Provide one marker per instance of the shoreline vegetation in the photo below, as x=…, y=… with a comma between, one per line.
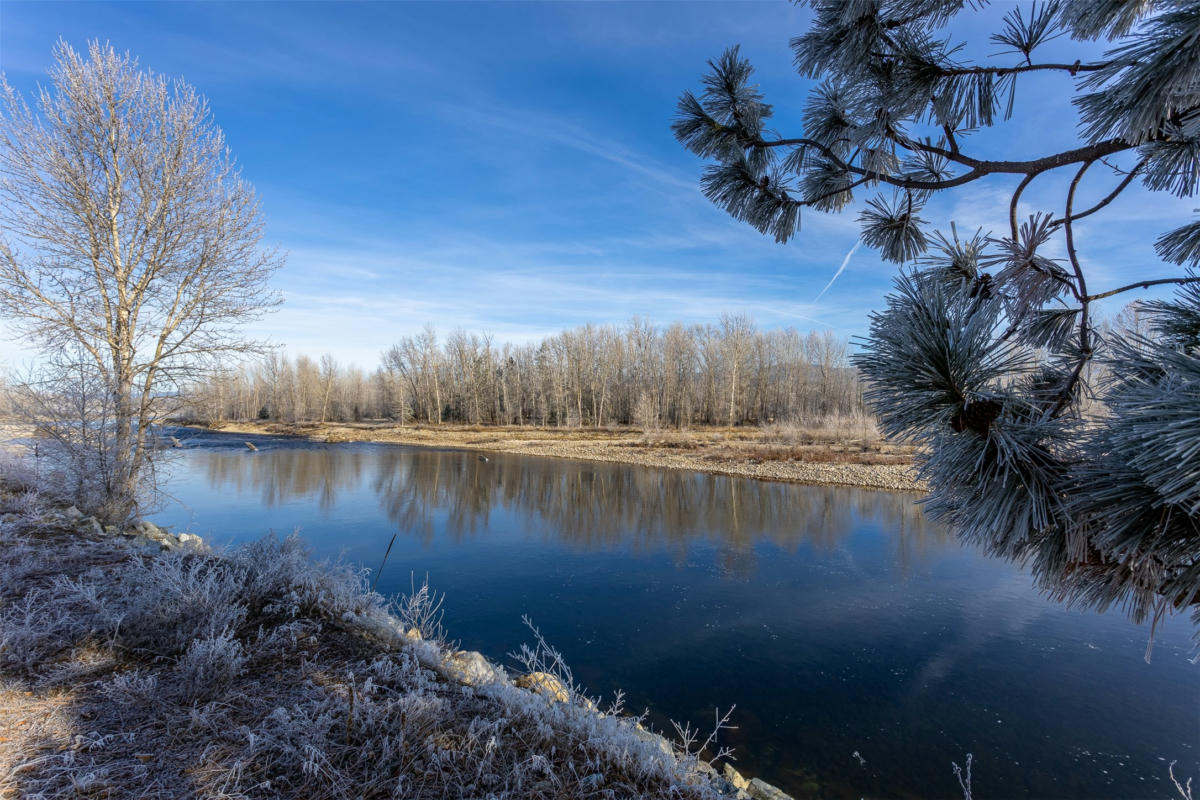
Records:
x=826, y=455
x=138, y=663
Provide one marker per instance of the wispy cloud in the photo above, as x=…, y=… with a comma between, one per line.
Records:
x=840, y=270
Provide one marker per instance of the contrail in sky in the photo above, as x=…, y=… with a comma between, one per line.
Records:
x=845, y=261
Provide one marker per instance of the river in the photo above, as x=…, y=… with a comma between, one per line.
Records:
x=838, y=621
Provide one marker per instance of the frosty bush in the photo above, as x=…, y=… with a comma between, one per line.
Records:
x=421, y=610
x=209, y=666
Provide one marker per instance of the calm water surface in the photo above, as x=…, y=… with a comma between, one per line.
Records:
x=837, y=620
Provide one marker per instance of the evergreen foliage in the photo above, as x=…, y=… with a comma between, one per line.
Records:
x=1044, y=438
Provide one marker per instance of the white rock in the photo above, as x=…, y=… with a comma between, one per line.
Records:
x=386, y=630
x=72, y=513
x=544, y=684
x=734, y=777
x=470, y=667
x=654, y=738
x=761, y=790
x=190, y=538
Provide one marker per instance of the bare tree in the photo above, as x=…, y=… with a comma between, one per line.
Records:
x=327, y=372
x=129, y=235
x=736, y=333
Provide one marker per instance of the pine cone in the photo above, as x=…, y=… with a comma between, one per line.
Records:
x=977, y=416
x=982, y=287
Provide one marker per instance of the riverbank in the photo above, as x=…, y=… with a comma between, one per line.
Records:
x=137, y=663
x=778, y=453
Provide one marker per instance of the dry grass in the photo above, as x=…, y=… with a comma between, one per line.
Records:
x=835, y=441
x=826, y=441
x=805, y=454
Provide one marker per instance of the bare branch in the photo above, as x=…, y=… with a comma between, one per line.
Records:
x=1182, y=281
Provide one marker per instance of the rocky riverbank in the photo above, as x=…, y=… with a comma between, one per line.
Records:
x=818, y=458
x=138, y=663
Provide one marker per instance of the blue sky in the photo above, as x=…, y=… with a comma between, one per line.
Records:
x=509, y=168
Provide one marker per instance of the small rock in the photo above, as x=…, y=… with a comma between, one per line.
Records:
x=654, y=738
x=190, y=538
x=388, y=631
x=470, y=667
x=761, y=790
x=143, y=542
x=72, y=513
x=545, y=684
x=147, y=533
x=734, y=777
x=724, y=788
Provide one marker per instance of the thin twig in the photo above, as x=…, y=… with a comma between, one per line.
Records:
x=1143, y=285
x=375, y=582
x=1085, y=345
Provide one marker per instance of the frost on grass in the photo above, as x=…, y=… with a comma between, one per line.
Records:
x=257, y=673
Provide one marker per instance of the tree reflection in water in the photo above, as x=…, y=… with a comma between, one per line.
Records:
x=586, y=505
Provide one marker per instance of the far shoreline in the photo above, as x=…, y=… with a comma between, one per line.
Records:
x=815, y=458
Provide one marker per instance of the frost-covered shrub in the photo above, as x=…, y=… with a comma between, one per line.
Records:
x=209, y=667
x=158, y=606
x=136, y=687
x=34, y=627
x=280, y=577
x=165, y=603
x=20, y=560
x=421, y=610
x=27, y=503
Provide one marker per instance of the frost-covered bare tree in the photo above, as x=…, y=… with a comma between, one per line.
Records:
x=128, y=236
x=982, y=352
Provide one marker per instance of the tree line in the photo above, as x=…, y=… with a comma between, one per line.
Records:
x=730, y=373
